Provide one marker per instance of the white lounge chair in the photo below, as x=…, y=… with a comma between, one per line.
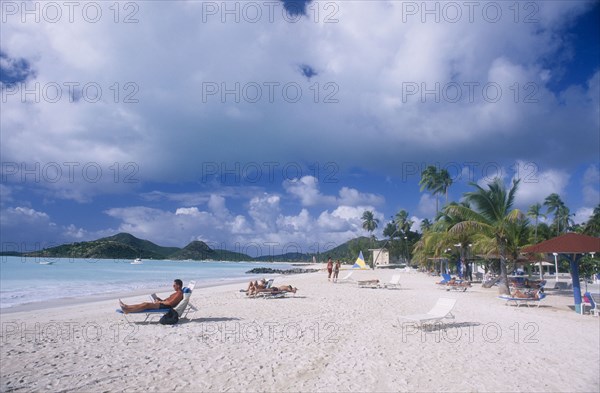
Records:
x=441, y=310
x=394, y=282
x=346, y=278
x=182, y=308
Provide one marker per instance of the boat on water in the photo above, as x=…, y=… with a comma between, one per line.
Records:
x=137, y=261
x=46, y=262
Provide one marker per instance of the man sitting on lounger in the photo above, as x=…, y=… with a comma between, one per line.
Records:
x=158, y=303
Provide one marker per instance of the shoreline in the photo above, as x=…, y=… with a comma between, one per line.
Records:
x=102, y=297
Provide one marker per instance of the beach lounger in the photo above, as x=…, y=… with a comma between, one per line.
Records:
x=459, y=285
x=182, y=308
x=268, y=285
x=374, y=283
x=269, y=294
x=394, y=282
x=441, y=310
x=346, y=278
x=594, y=299
x=445, y=279
x=517, y=301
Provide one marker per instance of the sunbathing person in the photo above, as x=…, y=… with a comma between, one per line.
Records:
x=283, y=288
x=459, y=283
x=262, y=283
x=287, y=288
x=256, y=286
x=526, y=295
x=159, y=303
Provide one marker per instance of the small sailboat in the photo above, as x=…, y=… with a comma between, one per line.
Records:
x=137, y=261
x=360, y=262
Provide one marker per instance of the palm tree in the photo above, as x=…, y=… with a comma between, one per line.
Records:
x=425, y=225
x=369, y=224
x=553, y=204
x=429, y=182
x=564, y=217
x=592, y=227
x=493, y=217
x=444, y=181
x=390, y=230
x=403, y=222
x=535, y=212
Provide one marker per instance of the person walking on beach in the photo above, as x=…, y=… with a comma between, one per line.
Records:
x=336, y=270
x=329, y=268
x=158, y=303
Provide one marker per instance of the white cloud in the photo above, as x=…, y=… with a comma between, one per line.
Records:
x=536, y=185
x=306, y=189
x=591, y=186
x=582, y=215
x=352, y=197
x=174, y=135
x=427, y=205
x=165, y=144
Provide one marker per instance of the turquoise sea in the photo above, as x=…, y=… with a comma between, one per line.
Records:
x=28, y=280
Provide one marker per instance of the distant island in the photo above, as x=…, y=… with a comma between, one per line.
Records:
x=127, y=246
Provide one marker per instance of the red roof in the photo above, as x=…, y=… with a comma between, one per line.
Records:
x=569, y=243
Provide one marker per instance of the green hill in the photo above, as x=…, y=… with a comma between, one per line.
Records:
x=347, y=252
x=288, y=257
x=126, y=246
x=145, y=246
x=200, y=251
x=95, y=249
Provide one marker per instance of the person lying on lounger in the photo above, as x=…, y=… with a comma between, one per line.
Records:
x=455, y=283
x=253, y=285
x=526, y=295
x=256, y=286
x=283, y=288
x=158, y=303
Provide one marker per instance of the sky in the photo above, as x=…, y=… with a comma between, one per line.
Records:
x=270, y=127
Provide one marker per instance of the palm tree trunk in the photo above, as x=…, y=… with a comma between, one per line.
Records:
x=503, y=289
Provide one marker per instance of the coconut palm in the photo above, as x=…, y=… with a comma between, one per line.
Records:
x=390, y=230
x=429, y=182
x=403, y=223
x=535, y=212
x=563, y=217
x=425, y=225
x=592, y=227
x=493, y=217
x=370, y=223
x=443, y=181
x=554, y=204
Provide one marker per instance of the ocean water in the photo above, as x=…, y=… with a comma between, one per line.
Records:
x=26, y=280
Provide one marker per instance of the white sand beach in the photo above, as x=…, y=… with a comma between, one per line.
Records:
x=326, y=338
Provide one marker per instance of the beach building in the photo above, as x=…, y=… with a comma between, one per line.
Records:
x=381, y=256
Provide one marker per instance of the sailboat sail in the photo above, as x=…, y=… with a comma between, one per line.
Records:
x=360, y=262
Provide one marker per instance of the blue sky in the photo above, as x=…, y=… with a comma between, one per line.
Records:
x=270, y=127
